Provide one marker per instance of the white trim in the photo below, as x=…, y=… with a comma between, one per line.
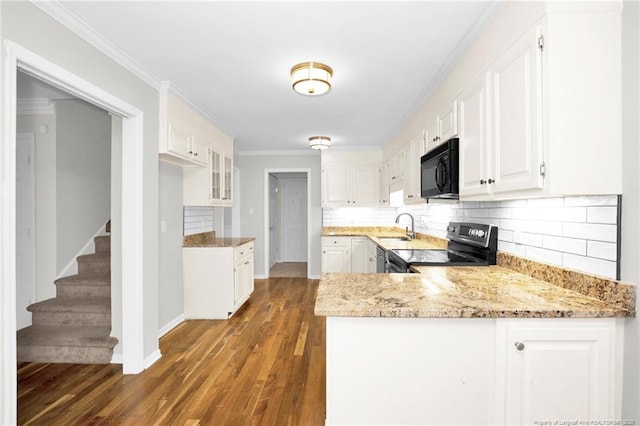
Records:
x=8, y=242
x=132, y=201
x=70, y=20
x=75, y=24
x=151, y=359
x=314, y=277
x=36, y=106
x=266, y=215
x=171, y=325
x=116, y=359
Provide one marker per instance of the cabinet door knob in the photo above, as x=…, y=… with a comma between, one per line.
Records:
x=519, y=346
x=482, y=181
x=490, y=181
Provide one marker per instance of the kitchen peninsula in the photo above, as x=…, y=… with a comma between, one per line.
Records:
x=474, y=345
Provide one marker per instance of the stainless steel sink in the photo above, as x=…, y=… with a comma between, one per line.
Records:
x=393, y=239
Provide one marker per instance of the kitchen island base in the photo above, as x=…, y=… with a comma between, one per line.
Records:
x=466, y=371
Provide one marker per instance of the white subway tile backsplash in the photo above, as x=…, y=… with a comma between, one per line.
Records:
x=576, y=232
x=568, y=245
x=544, y=255
x=600, y=250
x=590, y=265
x=602, y=215
x=197, y=219
x=594, y=200
x=513, y=203
x=591, y=231
x=516, y=249
x=545, y=202
x=527, y=239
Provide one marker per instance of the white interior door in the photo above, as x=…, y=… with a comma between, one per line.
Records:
x=25, y=228
x=273, y=220
x=294, y=222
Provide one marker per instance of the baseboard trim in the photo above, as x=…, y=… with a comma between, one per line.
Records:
x=261, y=277
x=313, y=277
x=116, y=359
x=151, y=359
x=171, y=325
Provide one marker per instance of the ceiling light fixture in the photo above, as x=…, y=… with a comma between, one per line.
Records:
x=311, y=78
x=319, y=142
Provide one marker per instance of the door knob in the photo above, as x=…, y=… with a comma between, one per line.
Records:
x=519, y=346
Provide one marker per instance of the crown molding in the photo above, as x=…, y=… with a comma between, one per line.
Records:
x=167, y=87
x=70, y=20
x=36, y=106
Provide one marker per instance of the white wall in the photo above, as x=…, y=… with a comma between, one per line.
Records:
x=171, y=308
x=630, y=265
x=28, y=26
x=83, y=176
x=45, y=173
x=252, y=210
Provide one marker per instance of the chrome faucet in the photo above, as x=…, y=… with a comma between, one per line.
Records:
x=411, y=234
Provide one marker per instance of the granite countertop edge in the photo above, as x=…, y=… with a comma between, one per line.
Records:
x=518, y=289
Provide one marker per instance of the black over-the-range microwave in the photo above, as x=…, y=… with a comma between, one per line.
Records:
x=439, y=171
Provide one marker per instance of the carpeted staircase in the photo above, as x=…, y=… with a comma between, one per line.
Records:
x=74, y=326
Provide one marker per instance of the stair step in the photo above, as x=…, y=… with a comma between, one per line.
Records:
x=102, y=243
x=83, y=286
x=80, y=345
x=72, y=311
x=93, y=264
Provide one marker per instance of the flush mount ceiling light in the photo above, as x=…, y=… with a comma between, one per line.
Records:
x=311, y=78
x=319, y=142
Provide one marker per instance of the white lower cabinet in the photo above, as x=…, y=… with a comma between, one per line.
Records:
x=346, y=254
x=217, y=280
x=473, y=371
x=336, y=254
x=557, y=370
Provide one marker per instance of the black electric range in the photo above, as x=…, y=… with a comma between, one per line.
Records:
x=468, y=244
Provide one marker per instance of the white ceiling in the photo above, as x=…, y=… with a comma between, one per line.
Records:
x=233, y=60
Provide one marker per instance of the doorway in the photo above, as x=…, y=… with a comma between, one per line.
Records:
x=287, y=218
x=130, y=211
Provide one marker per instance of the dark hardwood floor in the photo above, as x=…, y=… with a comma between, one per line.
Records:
x=264, y=366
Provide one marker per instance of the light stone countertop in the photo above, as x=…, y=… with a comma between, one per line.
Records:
x=454, y=292
x=209, y=240
x=515, y=288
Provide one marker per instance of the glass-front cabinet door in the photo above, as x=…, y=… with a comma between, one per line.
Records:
x=215, y=166
x=227, y=180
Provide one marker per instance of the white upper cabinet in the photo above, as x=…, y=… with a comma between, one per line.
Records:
x=515, y=81
x=448, y=121
x=546, y=112
x=189, y=139
x=351, y=178
x=505, y=103
x=475, y=154
x=412, y=152
x=443, y=126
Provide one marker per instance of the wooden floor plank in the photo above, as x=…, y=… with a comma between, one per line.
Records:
x=264, y=366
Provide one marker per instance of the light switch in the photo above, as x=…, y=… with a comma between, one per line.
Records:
x=250, y=211
x=163, y=226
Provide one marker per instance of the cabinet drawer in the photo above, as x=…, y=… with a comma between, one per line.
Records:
x=336, y=241
x=243, y=251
